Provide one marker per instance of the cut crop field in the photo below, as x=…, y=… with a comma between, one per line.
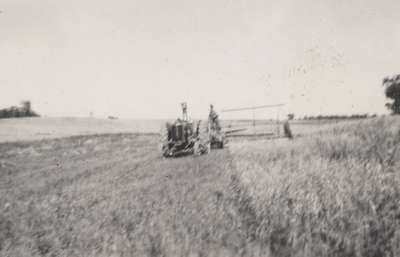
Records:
x=335, y=192
x=113, y=195
x=28, y=129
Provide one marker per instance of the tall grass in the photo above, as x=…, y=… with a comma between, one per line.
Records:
x=336, y=193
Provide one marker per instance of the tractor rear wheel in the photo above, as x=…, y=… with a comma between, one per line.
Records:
x=163, y=145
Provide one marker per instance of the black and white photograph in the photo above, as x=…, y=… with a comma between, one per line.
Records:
x=212, y=128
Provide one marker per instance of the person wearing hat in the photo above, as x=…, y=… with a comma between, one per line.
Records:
x=213, y=117
x=286, y=127
x=184, y=112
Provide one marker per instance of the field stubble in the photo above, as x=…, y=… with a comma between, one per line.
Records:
x=113, y=195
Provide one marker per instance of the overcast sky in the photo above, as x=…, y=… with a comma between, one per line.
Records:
x=140, y=59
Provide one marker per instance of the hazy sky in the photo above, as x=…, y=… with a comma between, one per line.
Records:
x=140, y=59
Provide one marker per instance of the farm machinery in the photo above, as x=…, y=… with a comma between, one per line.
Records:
x=185, y=137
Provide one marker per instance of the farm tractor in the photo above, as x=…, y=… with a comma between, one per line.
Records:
x=185, y=137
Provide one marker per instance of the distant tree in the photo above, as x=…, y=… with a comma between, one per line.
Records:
x=337, y=117
x=392, y=91
x=15, y=112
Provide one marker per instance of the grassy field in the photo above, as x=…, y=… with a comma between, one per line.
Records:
x=29, y=129
x=23, y=129
x=334, y=192
x=113, y=195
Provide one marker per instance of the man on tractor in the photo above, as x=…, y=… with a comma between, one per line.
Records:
x=213, y=119
x=217, y=138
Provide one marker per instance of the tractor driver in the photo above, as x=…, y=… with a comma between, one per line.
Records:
x=213, y=118
x=184, y=112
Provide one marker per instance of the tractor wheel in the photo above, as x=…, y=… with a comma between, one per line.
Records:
x=163, y=145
